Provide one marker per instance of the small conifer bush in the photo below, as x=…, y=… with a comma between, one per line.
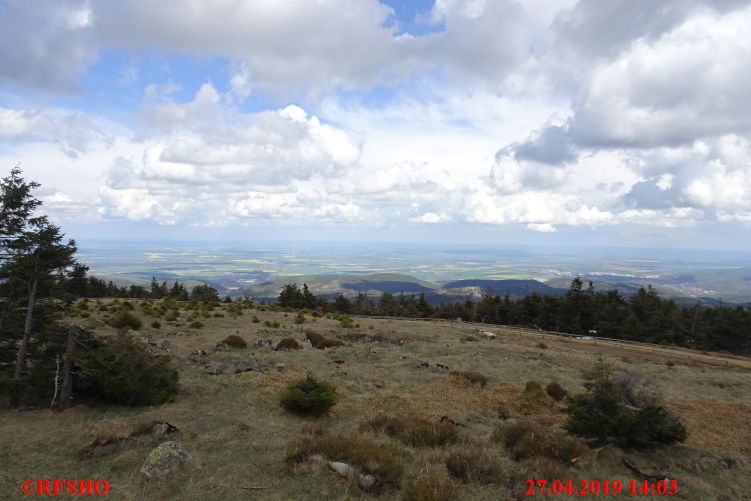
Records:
x=124, y=319
x=309, y=396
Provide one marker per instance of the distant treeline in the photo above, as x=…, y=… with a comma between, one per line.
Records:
x=78, y=284
x=581, y=310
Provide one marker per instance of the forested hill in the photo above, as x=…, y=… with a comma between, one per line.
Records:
x=644, y=316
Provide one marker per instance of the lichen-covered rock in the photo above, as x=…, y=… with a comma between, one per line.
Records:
x=167, y=457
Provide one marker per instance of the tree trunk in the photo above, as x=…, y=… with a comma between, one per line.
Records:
x=67, y=390
x=7, y=306
x=24, y=348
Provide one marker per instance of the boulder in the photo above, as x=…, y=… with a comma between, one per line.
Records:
x=239, y=366
x=342, y=469
x=222, y=346
x=366, y=482
x=213, y=368
x=165, y=458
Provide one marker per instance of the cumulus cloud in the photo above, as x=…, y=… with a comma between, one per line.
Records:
x=536, y=114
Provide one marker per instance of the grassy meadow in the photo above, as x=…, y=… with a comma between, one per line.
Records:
x=238, y=434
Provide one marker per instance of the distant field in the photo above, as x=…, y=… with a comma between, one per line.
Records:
x=235, y=268
x=237, y=433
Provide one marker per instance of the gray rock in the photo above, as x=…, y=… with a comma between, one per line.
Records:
x=239, y=366
x=489, y=335
x=280, y=367
x=366, y=482
x=442, y=368
x=213, y=368
x=220, y=346
x=261, y=343
x=166, y=457
x=342, y=469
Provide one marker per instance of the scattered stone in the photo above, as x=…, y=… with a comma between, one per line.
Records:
x=489, y=335
x=239, y=366
x=421, y=364
x=342, y=469
x=213, y=368
x=222, y=346
x=261, y=343
x=306, y=344
x=280, y=367
x=379, y=385
x=401, y=341
x=366, y=482
x=167, y=457
x=198, y=356
x=133, y=333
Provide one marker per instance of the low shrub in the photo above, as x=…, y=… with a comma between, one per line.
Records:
x=329, y=343
x=469, y=339
x=346, y=322
x=542, y=346
x=235, y=341
x=363, y=454
x=471, y=377
x=156, y=324
x=527, y=439
x=503, y=411
x=256, y=319
x=300, y=318
x=475, y=464
x=309, y=396
x=124, y=372
x=414, y=431
x=313, y=337
x=196, y=324
x=272, y=325
x=124, y=319
x=556, y=391
x=433, y=486
x=288, y=344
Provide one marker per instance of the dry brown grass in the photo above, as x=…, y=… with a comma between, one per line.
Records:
x=715, y=425
x=470, y=377
x=529, y=439
x=475, y=464
x=431, y=486
x=364, y=454
x=414, y=431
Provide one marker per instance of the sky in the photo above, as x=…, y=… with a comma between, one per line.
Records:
x=488, y=122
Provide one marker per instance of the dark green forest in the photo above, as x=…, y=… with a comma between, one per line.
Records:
x=645, y=316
